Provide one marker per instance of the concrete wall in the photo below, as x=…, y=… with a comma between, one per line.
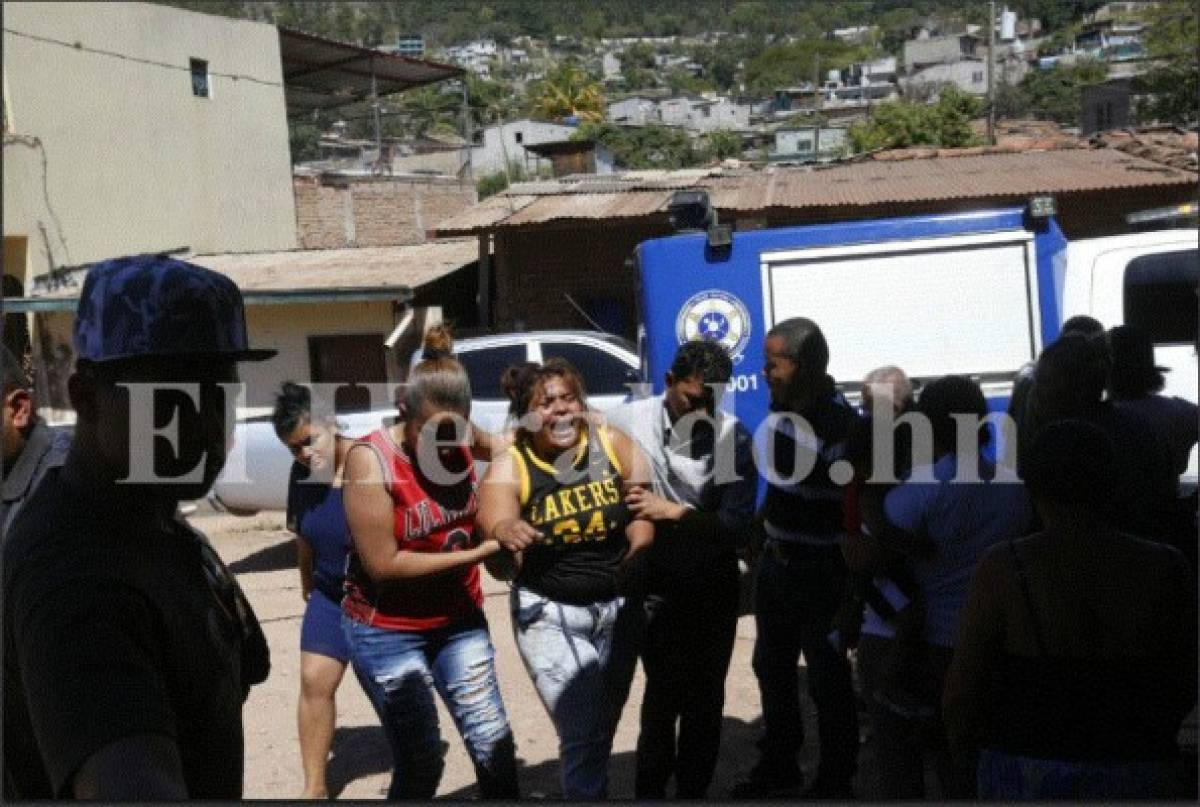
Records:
x=286, y=328
x=110, y=156
x=374, y=211
x=968, y=76
x=936, y=49
x=509, y=140
x=633, y=110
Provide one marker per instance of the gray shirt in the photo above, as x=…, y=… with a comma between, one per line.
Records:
x=45, y=448
x=708, y=475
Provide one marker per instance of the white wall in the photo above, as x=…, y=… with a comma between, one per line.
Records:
x=503, y=141
x=968, y=76
x=286, y=328
x=134, y=162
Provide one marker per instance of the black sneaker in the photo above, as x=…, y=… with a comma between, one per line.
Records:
x=761, y=784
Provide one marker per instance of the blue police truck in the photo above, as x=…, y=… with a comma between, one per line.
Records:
x=973, y=293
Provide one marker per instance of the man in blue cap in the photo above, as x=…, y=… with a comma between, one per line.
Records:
x=129, y=648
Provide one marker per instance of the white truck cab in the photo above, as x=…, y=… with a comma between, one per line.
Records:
x=1148, y=280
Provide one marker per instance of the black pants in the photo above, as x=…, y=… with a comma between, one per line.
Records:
x=685, y=653
x=797, y=591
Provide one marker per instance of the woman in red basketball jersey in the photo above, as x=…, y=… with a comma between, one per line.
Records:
x=413, y=608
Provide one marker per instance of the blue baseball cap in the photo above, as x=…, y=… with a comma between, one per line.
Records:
x=153, y=305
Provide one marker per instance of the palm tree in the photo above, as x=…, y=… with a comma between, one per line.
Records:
x=568, y=93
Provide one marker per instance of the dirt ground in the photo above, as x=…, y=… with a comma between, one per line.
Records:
x=262, y=555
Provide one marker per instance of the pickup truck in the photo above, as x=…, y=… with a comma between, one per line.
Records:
x=255, y=477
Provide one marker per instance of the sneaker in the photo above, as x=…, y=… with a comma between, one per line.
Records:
x=761, y=784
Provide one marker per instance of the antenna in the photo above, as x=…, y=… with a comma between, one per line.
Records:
x=583, y=313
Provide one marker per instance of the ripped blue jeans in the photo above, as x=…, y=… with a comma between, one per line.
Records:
x=581, y=659
x=399, y=671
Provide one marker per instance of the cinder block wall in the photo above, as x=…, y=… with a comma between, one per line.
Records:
x=334, y=212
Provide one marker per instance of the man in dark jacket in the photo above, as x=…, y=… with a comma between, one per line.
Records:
x=129, y=648
x=802, y=575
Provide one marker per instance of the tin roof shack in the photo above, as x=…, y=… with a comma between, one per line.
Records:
x=328, y=312
x=558, y=250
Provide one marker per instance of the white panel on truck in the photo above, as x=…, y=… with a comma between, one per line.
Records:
x=935, y=306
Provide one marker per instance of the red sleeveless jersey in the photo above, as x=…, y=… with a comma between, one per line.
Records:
x=427, y=518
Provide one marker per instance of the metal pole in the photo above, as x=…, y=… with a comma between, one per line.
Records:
x=467, y=133
x=991, y=73
x=375, y=107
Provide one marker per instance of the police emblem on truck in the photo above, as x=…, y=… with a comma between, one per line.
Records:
x=716, y=315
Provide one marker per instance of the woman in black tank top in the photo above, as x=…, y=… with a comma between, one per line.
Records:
x=1076, y=659
x=555, y=502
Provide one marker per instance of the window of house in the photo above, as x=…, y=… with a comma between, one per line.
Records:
x=519, y=137
x=977, y=77
x=1160, y=296
x=200, y=78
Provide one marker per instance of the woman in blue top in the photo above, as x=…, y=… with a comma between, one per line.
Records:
x=316, y=515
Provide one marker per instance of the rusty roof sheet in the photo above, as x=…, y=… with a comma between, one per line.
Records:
x=891, y=178
x=485, y=214
x=303, y=274
x=589, y=206
x=361, y=267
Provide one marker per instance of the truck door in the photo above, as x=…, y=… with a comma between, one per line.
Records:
x=963, y=305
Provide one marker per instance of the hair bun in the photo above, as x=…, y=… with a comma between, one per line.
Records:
x=438, y=342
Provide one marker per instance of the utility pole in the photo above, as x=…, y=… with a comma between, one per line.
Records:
x=991, y=73
x=375, y=108
x=467, y=133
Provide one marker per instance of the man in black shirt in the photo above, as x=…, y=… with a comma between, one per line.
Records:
x=801, y=576
x=128, y=646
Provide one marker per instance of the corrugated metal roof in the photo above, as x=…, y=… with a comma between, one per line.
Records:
x=306, y=275
x=485, y=214
x=976, y=176
x=931, y=176
x=589, y=206
x=319, y=73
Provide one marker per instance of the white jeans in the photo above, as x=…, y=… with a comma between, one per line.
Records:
x=581, y=659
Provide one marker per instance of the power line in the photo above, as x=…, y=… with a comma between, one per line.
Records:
x=79, y=46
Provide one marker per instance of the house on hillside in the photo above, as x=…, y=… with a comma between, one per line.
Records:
x=806, y=144
x=968, y=75
x=636, y=110
x=501, y=145
x=927, y=50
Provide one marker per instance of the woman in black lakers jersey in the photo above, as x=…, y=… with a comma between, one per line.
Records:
x=555, y=503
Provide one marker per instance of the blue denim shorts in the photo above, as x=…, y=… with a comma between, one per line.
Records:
x=321, y=632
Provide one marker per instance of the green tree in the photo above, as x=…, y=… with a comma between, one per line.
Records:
x=724, y=144
x=1055, y=94
x=303, y=141
x=568, y=93
x=902, y=124
x=426, y=106
x=1172, y=86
